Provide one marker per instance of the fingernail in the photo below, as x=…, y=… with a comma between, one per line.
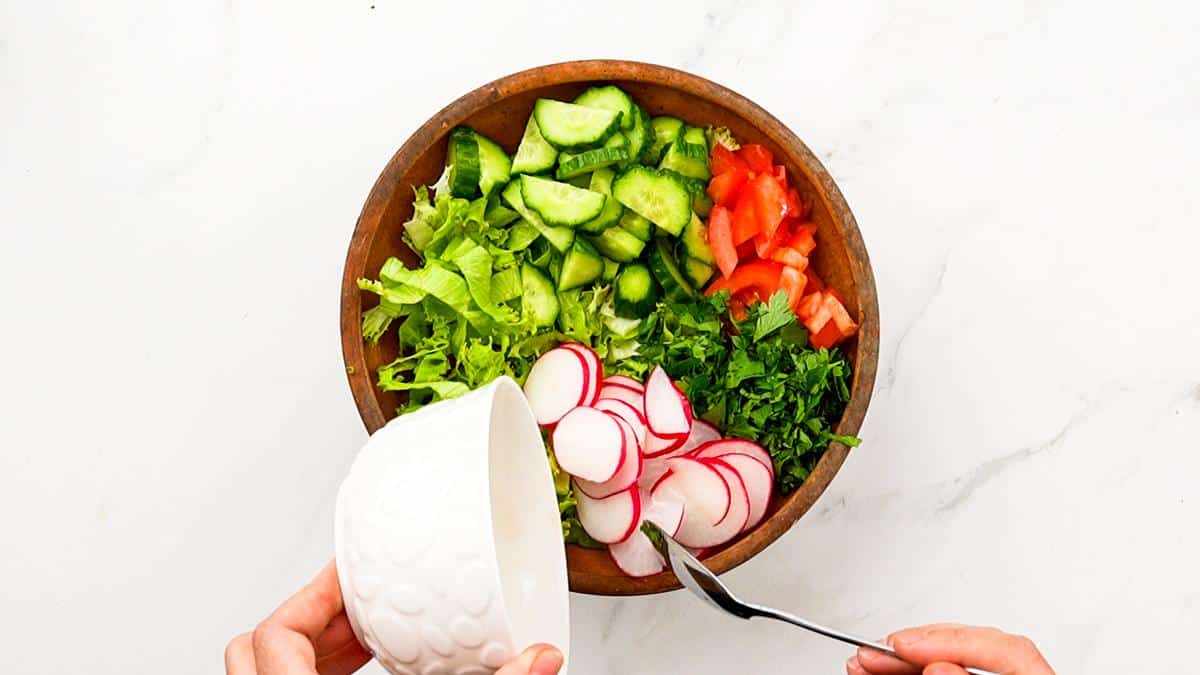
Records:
x=548, y=661
x=907, y=638
x=853, y=667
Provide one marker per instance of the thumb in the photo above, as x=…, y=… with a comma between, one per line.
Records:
x=540, y=659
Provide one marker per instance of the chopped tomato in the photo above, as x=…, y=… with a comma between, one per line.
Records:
x=770, y=202
x=759, y=276
x=723, y=188
x=827, y=337
x=745, y=250
x=809, y=305
x=792, y=258
x=720, y=240
x=765, y=246
x=780, y=173
x=802, y=239
x=795, y=205
x=836, y=296
x=837, y=310
x=792, y=281
x=814, y=281
x=724, y=160
x=757, y=157
x=745, y=218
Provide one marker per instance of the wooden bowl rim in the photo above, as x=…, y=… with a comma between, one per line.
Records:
x=866, y=352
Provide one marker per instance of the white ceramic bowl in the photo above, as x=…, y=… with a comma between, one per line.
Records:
x=448, y=542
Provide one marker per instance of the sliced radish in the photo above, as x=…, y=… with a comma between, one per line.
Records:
x=589, y=444
x=611, y=519
x=626, y=412
x=758, y=482
x=628, y=473
x=652, y=470
x=702, y=432
x=667, y=411
x=662, y=446
x=735, y=446
x=619, y=393
x=595, y=370
x=739, y=506
x=698, y=552
x=663, y=508
x=558, y=381
x=706, y=497
x=623, y=381
x=636, y=556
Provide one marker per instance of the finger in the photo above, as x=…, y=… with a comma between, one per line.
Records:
x=336, y=635
x=980, y=647
x=853, y=667
x=279, y=650
x=239, y=656
x=876, y=662
x=344, y=661
x=540, y=659
x=310, y=611
x=944, y=669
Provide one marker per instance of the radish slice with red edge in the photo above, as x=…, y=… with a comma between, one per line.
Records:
x=589, y=444
x=663, y=508
x=652, y=470
x=706, y=498
x=735, y=446
x=662, y=447
x=636, y=556
x=626, y=412
x=611, y=519
x=739, y=505
x=595, y=370
x=558, y=381
x=626, y=476
x=624, y=381
x=759, y=484
x=667, y=411
x=619, y=393
x=702, y=432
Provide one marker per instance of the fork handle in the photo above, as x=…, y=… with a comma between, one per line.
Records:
x=770, y=613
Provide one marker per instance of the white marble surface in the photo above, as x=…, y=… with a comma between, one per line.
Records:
x=178, y=182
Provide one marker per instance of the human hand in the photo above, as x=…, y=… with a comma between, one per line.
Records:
x=944, y=649
x=311, y=635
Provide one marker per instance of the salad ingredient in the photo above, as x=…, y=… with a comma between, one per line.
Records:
x=735, y=520
x=635, y=292
x=706, y=497
x=572, y=127
x=701, y=434
x=600, y=182
x=557, y=383
x=666, y=130
x=676, y=288
x=627, y=474
x=560, y=203
x=581, y=266
x=664, y=509
x=637, y=556
x=625, y=381
x=495, y=166
x=667, y=413
x=594, y=370
x=688, y=156
x=632, y=416
x=662, y=446
x=534, y=154
x=609, y=97
x=658, y=196
x=735, y=446
x=538, y=300
x=758, y=481
x=623, y=394
x=464, y=163
x=612, y=519
x=618, y=244
x=590, y=444
x=560, y=238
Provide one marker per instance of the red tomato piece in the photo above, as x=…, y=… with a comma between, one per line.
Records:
x=792, y=281
x=745, y=218
x=770, y=202
x=792, y=258
x=809, y=305
x=814, y=281
x=724, y=187
x=758, y=158
x=720, y=240
x=780, y=173
x=837, y=311
x=745, y=251
x=724, y=160
x=827, y=337
x=802, y=239
x=767, y=246
x=795, y=205
x=759, y=276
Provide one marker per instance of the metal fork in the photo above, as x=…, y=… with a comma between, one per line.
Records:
x=703, y=583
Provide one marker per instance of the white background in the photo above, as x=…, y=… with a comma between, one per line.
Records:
x=179, y=180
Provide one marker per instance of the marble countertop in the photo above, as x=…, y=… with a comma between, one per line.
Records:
x=180, y=181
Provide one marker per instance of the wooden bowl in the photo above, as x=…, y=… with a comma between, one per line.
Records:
x=499, y=110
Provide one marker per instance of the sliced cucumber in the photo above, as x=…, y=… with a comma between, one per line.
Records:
x=581, y=266
x=636, y=225
x=611, y=267
x=521, y=235
x=538, y=299
x=495, y=167
x=570, y=165
x=499, y=215
x=609, y=97
x=534, y=154
x=697, y=272
x=572, y=127
x=666, y=131
x=581, y=181
x=634, y=292
x=702, y=203
x=688, y=155
x=639, y=135
x=463, y=158
x=694, y=142
x=655, y=195
x=506, y=285
x=541, y=253
x=618, y=244
x=601, y=182
x=676, y=287
x=560, y=203
x=695, y=241
x=559, y=237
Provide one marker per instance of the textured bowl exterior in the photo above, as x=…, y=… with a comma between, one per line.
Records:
x=499, y=110
x=414, y=545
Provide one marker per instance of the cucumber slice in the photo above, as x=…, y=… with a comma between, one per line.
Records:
x=601, y=182
x=635, y=292
x=570, y=166
x=611, y=267
x=702, y=203
x=521, y=235
x=463, y=158
x=560, y=203
x=572, y=127
x=538, y=299
x=534, y=154
x=666, y=131
x=636, y=225
x=506, y=285
x=694, y=142
x=676, y=287
x=697, y=272
x=581, y=266
x=559, y=237
x=495, y=167
x=618, y=244
x=581, y=181
x=695, y=241
x=609, y=97
x=639, y=135
x=655, y=195
x=688, y=155
x=541, y=253
x=498, y=215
